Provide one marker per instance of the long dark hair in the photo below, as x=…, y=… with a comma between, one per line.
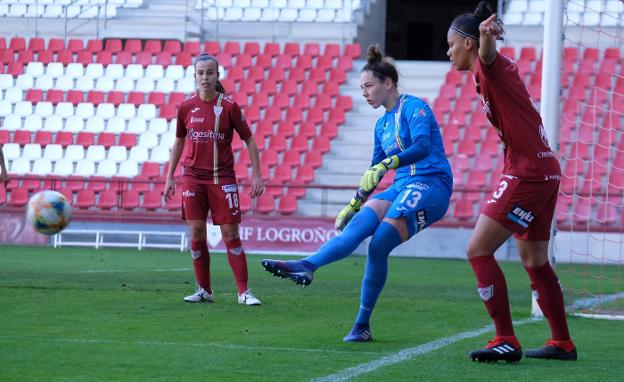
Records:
x=209, y=57
x=467, y=24
x=381, y=66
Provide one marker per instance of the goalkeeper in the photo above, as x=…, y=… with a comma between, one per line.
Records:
x=408, y=139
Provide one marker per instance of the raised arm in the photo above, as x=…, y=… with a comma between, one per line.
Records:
x=490, y=30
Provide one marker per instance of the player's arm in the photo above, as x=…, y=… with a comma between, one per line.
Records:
x=257, y=186
x=490, y=30
x=4, y=176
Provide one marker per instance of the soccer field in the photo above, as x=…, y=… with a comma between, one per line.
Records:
x=117, y=315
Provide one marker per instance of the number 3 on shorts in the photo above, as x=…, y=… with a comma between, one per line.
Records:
x=232, y=199
x=502, y=186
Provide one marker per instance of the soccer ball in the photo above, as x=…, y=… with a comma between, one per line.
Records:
x=49, y=212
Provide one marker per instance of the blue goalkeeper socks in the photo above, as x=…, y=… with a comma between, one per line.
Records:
x=385, y=239
x=359, y=228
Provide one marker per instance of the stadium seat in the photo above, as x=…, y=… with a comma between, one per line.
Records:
x=152, y=200
x=85, y=199
x=130, y=199
x=107, y=199
x=265, y=203
x=19, y=197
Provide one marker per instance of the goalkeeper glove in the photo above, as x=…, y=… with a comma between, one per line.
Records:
x=351, y=209
x=373, y=175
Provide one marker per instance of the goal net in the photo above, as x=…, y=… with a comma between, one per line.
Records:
x=589, y=244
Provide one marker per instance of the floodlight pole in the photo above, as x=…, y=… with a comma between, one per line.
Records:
x=551, y=95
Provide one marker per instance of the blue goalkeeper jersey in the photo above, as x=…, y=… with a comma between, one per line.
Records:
x=397, y=130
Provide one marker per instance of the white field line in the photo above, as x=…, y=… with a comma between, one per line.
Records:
x=184, y=344
x=409, y=353
x=135, y=270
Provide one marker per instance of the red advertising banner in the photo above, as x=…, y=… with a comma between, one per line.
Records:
x=275, y=235
x=15, y=230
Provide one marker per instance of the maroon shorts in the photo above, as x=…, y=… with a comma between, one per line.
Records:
x=524, y=207
x=220, y=199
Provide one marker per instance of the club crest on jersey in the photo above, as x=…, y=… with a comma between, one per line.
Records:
x=188, y=194
x=486, y=293
x=229, y=188
x=195, y=110
x=218, y=110
x=521, y=216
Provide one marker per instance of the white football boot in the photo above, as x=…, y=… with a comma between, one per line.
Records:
x=246, y=298
x=200, y=295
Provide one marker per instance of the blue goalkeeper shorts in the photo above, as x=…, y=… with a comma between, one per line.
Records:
x=423, y=202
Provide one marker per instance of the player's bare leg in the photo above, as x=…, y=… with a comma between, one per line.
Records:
x=546, y=289
x=487, y=237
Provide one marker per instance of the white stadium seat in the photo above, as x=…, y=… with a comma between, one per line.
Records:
x=114, y=71
x=591, y=18
x=158, y=126
x=20, y=166
x=33, y=122
x=154, y=72
x=35, y=69
x=4, y=9
x=307, y=15
x=94, y=70
x=95, y=124
x=31, y=151
x=106, y=168
x=175, y=72
x=42, y=167
x=74, y=153
x=145, y=85
x=165, y=85
x=596, y=5
x=138, y=154
x=96, y=153
x=297, y=4
x=148, y=140
x=63, y=167
x=6, y=81
x=333, y=4
x=128, y=168
x=159, y=154
x=23, y=108
x=288, y=15
x=105, y=110
x=85, y=84
x=325, y=15
x=126, y=110
x=104, y=84
x=85, y=167
x=6, y=108
x=25, y=81
x=11, y=151
x=74, y=70
x=85, y=110
x=64, y=109
x=537, y=6
x=44, y=82
x=12, y=122
x=17, y=10
x=53, y=11
x=260, y=3
x=74, y=124
x=251, y=14
x=532, y=18
x=512, y=18
x=64, y=83
x=116, y=125
x=53, y=123
x=137, y=125
x=233, y=14
x=186, y=85
x=223, y=3
x=614, y=6
x=147, y=111
x=315, y=4
x=242, y=3
x=134, y=71
x=35, y=10
x=124, y=85
x=117, y=153
x=13, y=94
x=44, y=109
x=53, y=152
x=55, y=69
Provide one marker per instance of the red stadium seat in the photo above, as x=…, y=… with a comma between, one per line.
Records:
x=284, y=62
x=95, y=97
x=17, y=44
x=265, y=203
x=5, y=137
x=128, y=140
x=3, y=196
x=137, y=98
x=463, y=209
x=232, y=48
x=292, y=49
x=329, y=130
x=64, y=138
x=305, y=173
x=107, y=199
x=34, y=95
x=106, y=139
x=286, y=129
x=331, y=50
x=292, y=158
x=95, y=45
x=84, y=57
x=299, y=143
x=113, y=45
x=265, y=61
x=308, y=129
x=19, y=197
x=287, y=205
x=45, y=56
x=115, y=97
x=183, y=58
x=176, y=98
x=171, y=46
x=508, y=51
x=168, y=111
x=85, y=199
x=212, y=47
x=314, y=159
x=192, y=47
x=155, y=46
x=251, y=48
x=104, y=57
x=152, y=200
x=54, y=96
x=272, y=49
x=353, y=50
x=312, y=49
x=156, y=98
x=43, y=138
x=164, y=58
x=283, y=174
x=142, y=58
x=528, y=53
x=269, y=157
x=85, y=139
x=124, y=58
x=73, y=44
x=303, y=102
x=345, y=64
x=132, y=45
x=130, y=199
x=281, y=101
x=278, y=143
x=74, y=96
x=56, y=44
x=25, y=56
x=337, y=76
x=21, y=137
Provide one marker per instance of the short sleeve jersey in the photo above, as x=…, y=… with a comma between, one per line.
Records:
x=209, y=128
x=507, y=104
x=398, y=129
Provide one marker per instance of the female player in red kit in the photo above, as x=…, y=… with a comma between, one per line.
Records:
x=524, y=200
x=206, y=124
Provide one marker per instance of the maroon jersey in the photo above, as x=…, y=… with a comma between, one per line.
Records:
x=509, y=107
x=209, y=128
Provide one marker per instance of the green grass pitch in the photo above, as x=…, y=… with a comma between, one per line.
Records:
x=79, y=314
